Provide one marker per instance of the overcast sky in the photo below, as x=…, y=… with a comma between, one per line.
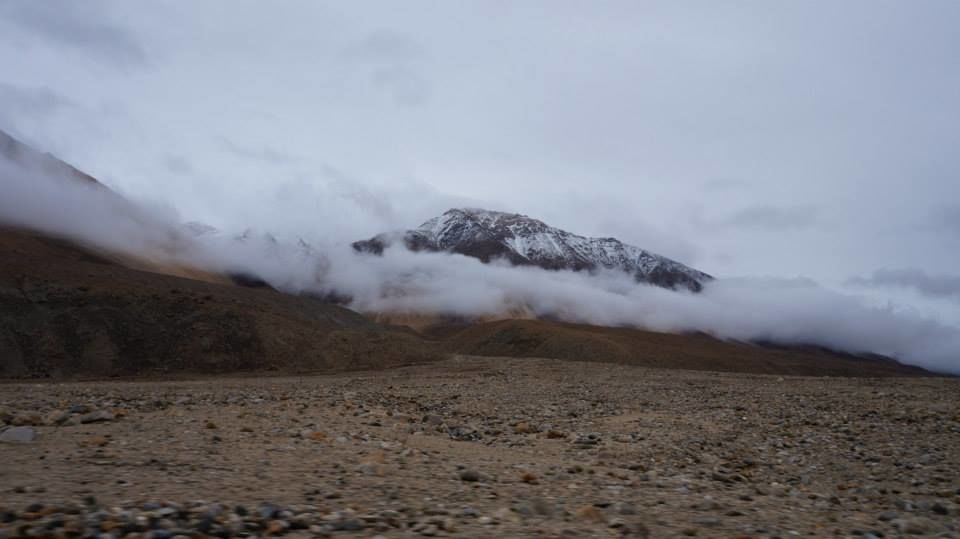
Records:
x=792, y=138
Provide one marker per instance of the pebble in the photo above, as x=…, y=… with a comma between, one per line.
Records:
x=26, y=419
x=464, y=433
x=433, y=419
x=913, y=526
x=708, y=522
x=470, y=475
x=56, y=417
x=97, y=416
x=587, y=440
x=17, y=435
x=590, y=513
x=505, y=514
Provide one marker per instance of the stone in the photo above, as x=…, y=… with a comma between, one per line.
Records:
x=18, y=435
x=708, y=522
x=721, y=477
x=505, y=514
x=95, y=441
x=587, y=440
x=630, y=529
x=277, y=527
x=97, y=416
x=523, y=428
x=26, y=419
x=541, y=507
x=56, y=417
x=912, y=526
x=470, y=476
x=464, y=433
x=590, y=513
x=887, y=516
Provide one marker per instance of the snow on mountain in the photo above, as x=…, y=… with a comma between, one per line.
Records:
x=521, y=240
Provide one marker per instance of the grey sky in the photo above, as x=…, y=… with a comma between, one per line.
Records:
x=813, y=139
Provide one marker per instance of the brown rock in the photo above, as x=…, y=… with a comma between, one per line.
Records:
x=590, y=513
x=27, y=419
x=56, y=417
x=523, y=428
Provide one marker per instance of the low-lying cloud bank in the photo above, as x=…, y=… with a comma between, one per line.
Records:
x=932, y=286
x=783, y=311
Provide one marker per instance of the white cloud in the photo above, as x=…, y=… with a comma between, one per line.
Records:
x=778, y=310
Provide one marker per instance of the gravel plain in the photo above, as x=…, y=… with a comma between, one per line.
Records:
x=483, y=447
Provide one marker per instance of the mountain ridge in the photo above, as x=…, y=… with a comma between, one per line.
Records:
x=524, y=241
x=24, y=154
x=73, y=308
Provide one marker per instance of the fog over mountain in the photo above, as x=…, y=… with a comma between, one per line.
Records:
x=520, y=240
x=804, y=155
x=399, y=280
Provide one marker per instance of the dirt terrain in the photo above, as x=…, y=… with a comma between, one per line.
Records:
x=484, y=447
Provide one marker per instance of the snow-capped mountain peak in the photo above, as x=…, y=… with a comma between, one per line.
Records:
x=522, y=240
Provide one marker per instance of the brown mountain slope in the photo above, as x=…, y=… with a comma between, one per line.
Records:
x=538, y=338
x=67, y=311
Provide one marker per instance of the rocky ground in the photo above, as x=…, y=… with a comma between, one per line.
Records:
x=483, y=447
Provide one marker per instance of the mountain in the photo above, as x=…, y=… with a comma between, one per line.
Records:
x=69, y=311
x=73, y=308
x=15, y=151
x=66, y=311
x=70, y=307
x=524, y=241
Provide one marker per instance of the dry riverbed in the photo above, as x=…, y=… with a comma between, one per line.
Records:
x=481, y=447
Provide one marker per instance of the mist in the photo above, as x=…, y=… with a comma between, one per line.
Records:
x=785, y=311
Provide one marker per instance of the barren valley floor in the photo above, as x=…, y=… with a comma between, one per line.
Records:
x=484, y=447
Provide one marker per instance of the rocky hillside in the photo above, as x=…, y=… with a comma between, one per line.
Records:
x=524, y=241
x=66, y=311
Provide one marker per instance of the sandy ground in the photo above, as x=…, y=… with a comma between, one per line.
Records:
x=488, y=447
